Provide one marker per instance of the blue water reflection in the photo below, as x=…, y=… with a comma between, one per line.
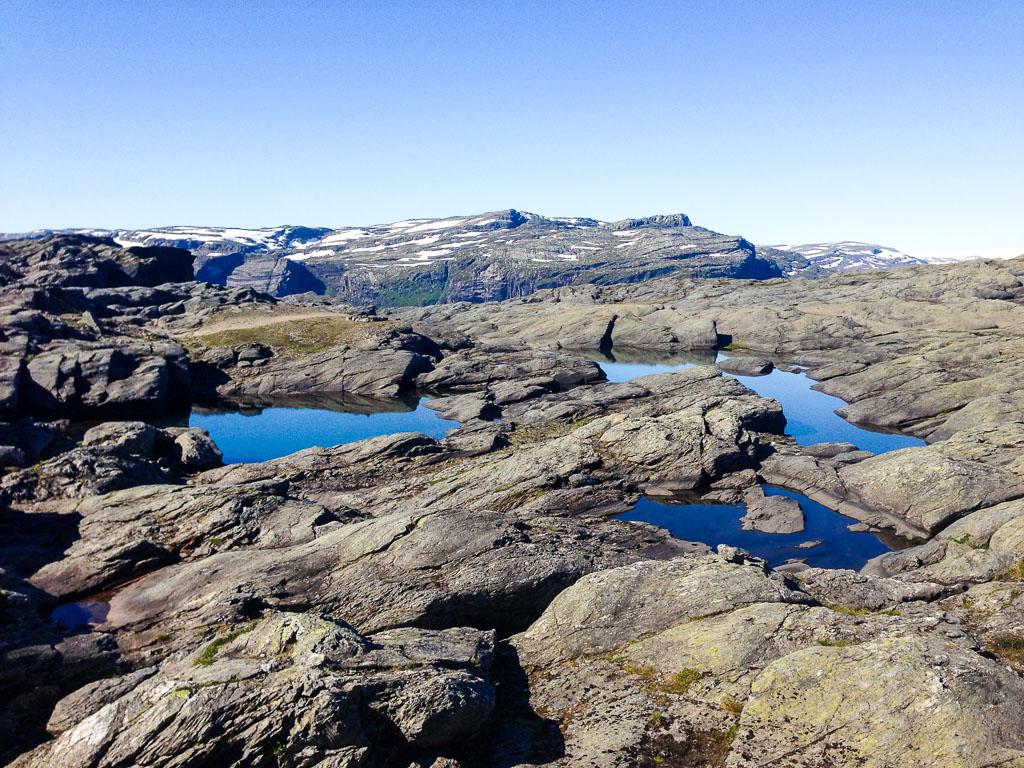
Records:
x=810, y=415
x=715, y=524
x=261, y=434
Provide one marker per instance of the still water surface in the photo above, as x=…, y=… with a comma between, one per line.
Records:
x=716, y=524
x=811, y=415
x=259, y=433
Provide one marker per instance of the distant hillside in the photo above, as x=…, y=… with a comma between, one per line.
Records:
x=485, y=257
x=817, y=259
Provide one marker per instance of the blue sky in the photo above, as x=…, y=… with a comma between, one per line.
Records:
x=897, y=122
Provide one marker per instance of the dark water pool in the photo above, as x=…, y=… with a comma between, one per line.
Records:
x=260, y=432
x=82, y=614
x=716, y=524
x=811, y=415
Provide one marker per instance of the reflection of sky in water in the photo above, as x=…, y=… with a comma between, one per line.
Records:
x=810, y=414
x=715, y=524
x=82, y=614
x=276, y=432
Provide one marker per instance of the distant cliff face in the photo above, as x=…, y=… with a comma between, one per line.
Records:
x=488, y=257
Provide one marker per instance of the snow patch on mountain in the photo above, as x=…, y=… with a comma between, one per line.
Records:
x=847, y=255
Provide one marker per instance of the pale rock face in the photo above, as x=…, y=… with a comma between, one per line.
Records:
x=916, y=701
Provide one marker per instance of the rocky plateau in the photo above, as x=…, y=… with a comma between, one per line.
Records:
x=476, y=600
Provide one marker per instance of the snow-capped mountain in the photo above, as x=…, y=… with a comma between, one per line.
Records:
x=945, y=257
x=845, y=256
x=468, y=258
x=492, y=255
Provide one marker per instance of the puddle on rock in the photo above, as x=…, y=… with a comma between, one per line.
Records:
x=715, y=524
x=253, y=431
x=811, y=415
x=82, y=614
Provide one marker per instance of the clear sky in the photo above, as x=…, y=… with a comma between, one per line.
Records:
x=895, y=122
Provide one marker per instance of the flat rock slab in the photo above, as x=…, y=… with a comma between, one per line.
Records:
x=746, y=366
x=771, y=514
x=827, y=450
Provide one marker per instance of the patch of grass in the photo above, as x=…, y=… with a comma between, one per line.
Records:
x=967, y=541
x=833, y=643
x=732, y=706
x=1013, y=573
x=299, y=337
x=734, y=346
x=679, y=682
x=657, y=719
x=1008, y=647
x=645, y=673
x=209, y=653
x=850, y=611
x=280, y=749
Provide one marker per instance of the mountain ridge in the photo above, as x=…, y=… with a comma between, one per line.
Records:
x=482, y=257
x=486, y=257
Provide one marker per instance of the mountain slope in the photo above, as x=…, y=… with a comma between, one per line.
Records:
x=818, y=259
x=486, y=257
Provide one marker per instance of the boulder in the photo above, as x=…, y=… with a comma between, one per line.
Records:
x=742, y=365
x=608, y=609
x=771, y=514
x=912, y=701
x=196, y=451
x=292, y=686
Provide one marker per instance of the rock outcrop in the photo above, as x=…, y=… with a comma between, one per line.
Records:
x=476, y=600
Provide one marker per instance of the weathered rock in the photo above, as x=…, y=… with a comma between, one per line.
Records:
x=976, y=548
x=360, y=698
x=196, y=451
x=26, y=441
x=88, y=699
x=994, y=409
x=451, y=568
x=341, y=369
x=463, y=408
x=920, y=490
x=82, y=379
x=498, y=366
x=827, y=450
x=605, y=610
x=131, y=532
x=127, y=437
x=848, y=589
x=771, y=514
x=82, y=472
x=741, y=365
x=894, y=701
x=82, y=260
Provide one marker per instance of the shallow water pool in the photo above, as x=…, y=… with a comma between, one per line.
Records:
x=811, y=415
x=716, y=524
x=259, y=433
